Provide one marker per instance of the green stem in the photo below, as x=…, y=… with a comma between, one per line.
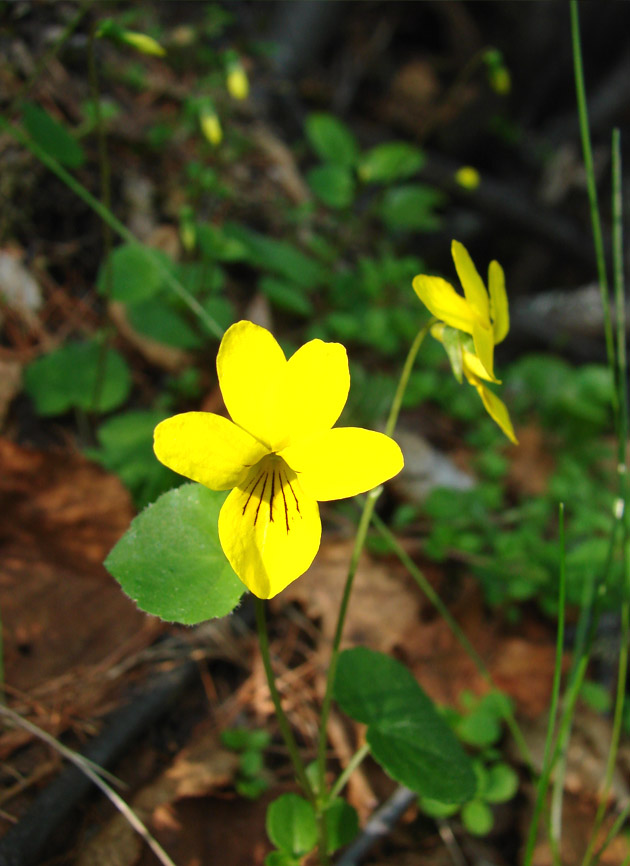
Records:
x=283, y=722
x=622, y=503
x=105, y=182
x=455, y=628
x=353, y=763
x=121, y=230
x=547, y=766
x=394, y=412
x=618, y=823
x=591, y=185
x=364, y=522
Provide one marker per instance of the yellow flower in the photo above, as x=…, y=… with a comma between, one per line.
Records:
x=278, y=454
x=463, y=360
x=485, y=317
x=482, y=314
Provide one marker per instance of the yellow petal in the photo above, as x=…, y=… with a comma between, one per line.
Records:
x=269, y=528
x=442, y=301
x=497, y=410
x=207, y=448
x=250, y=364
x=344, y=461
x=473, y=368
x=312, y=393
x=472, y=284
x=483, y=338
x=498, y=302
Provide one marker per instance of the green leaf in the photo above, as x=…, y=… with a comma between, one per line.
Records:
x=127, y=449
x=170, y=560
x=156, y=318
x=279, y=257
x=437, y=809
x=394, y=160
x=286, y=296
x=406, y=734
x=136, y=273
x=69, y=378
x=501, y=783
x=480, y=728
x=411, y=207
x=251, y=763
x=281, y=858
x=215, y=244
x=252, y=788
x=51, y=136
x=331, y=139
x=242, y=739
x=291, y=824
x=596, y=696
x=222, y=311
x=477, y=818
x=332, y=184
x=342, y=824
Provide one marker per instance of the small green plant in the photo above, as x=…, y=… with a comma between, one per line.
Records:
x=480, y=727
x=252, y=780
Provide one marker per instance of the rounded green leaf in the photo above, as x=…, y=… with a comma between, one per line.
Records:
x=291, y=824
x=332, y=184
x=79, y=375
x=252, y=788
x=394, y=160
x=477, y=818
x=170, y=560
x=437, y=809
x=412, y=207
x=342, y=824
x=331, y=139
x=242, y=739
x=406, y=734
x=481, y=728
x=501, y=783
x=52, y=136
x=136, y=273
x=251, y=763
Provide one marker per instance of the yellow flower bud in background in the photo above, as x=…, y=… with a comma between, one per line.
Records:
x=211, y=126
x=143, y=43
x=109, y=29
x=467, y=177
x=237, y=81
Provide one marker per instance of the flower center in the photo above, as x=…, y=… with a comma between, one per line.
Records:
x=271, y=494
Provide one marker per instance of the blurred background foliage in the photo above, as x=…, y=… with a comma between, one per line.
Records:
x=298, y=164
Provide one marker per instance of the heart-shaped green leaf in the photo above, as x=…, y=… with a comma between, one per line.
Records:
x=406, y=734
x=170, y=560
